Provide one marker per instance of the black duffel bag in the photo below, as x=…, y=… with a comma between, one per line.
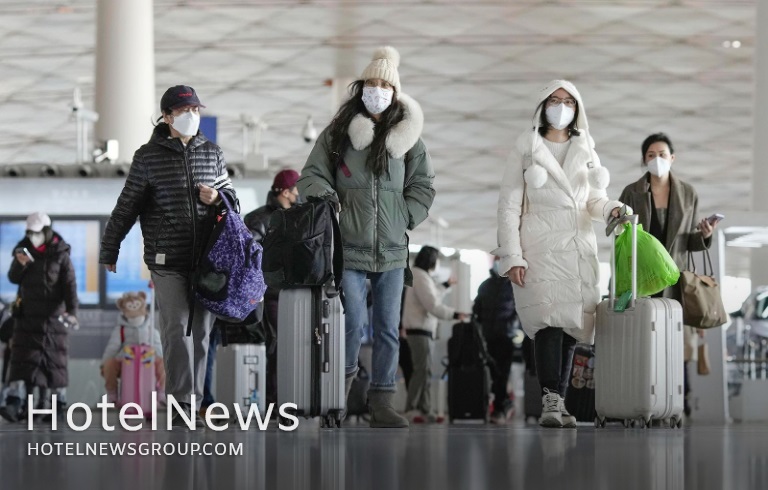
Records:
x=303, y=247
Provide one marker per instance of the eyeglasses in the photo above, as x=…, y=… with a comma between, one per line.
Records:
x=555, y=101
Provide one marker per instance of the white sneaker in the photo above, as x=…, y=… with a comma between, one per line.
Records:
x=550, y=410
x=569, y=421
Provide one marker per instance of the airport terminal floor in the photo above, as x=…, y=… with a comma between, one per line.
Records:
x=422, y=457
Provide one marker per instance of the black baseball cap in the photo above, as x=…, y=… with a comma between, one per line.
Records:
x=179, y=96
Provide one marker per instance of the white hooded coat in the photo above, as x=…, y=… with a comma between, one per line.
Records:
x=552, y=235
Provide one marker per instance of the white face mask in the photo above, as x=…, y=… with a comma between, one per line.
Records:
x=659, y=166
x=136, y=321
x=560, y=116
x=187, y=123
x=37, y=238
x=377, y=99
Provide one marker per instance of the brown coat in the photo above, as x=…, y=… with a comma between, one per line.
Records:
x=682, y=234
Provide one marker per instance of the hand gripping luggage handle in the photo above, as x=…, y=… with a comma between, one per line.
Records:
x=632, y=220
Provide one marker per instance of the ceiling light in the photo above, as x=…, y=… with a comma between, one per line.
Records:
x=736, y=44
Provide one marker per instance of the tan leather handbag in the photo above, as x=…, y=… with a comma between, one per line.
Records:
x=700, y=295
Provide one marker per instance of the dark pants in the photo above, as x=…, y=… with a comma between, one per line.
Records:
x=270, y=329
x=405, y=360
x=213, y=343
x=553, y=353
x=501, y=350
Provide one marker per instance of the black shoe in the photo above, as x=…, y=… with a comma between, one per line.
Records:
x=178, y=422
x=61, y=408
x=12, y=409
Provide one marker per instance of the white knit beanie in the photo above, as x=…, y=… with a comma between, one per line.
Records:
x=384, y=66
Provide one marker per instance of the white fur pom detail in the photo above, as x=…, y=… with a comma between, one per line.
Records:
x=535, y=176
x=599, y=178
x=387, y=53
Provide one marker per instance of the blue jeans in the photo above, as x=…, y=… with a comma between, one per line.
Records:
x=387, y=290
x=213, y=342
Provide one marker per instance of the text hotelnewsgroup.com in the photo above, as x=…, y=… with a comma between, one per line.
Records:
x=133, y=449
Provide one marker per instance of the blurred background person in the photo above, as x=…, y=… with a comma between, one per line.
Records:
x=48, y=291
x=283, y=195
x=494, y=309
x=423, y=309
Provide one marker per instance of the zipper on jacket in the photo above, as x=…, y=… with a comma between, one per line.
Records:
x=192, y=204
x=375, y=191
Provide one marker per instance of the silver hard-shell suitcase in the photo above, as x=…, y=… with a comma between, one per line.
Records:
x=310, y=353
x=638, y=356
x=241, y=376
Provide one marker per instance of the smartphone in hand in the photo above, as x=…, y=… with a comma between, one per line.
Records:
x=25, y=251
x=715, y=219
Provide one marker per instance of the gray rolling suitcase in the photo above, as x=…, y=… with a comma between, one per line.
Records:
x=638, y=357
x=310, y=353
x=241, y=376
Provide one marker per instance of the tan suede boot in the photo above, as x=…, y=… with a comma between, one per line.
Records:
x=383, y=414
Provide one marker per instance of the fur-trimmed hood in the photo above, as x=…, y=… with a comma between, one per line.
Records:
x=401, y=137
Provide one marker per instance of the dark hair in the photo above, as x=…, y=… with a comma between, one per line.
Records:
x=378, y=157
x=655, y=138
x=426, y=258
x=544, y=125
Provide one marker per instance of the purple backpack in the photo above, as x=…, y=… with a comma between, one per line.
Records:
x=229, y=282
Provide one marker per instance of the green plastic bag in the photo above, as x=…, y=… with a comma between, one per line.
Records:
x=656, y=270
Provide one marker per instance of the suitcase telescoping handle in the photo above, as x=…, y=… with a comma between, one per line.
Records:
x=632, y=219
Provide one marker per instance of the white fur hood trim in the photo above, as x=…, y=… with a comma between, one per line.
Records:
x=400, y=139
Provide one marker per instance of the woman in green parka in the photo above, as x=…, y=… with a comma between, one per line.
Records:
x=371, y=160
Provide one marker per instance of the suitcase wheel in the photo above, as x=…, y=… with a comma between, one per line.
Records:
x=330, y=421
x=599, y=422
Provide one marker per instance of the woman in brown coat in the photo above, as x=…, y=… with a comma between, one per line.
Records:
x=668, y=210
x=48, y=291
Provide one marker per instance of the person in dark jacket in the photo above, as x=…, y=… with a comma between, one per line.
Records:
x=175, y=182
x=494, y=309
x=48, y=290
x=283, y=195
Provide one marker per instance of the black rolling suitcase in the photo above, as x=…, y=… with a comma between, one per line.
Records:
x=580, y=394
x=469, y=378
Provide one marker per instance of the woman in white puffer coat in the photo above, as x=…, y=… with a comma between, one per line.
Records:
x=553, y=188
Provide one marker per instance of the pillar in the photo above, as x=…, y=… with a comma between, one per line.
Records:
x=125, y=74
x=760, y=147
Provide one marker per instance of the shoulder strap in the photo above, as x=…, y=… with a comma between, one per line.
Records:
x=122, y=334
x=338, y=249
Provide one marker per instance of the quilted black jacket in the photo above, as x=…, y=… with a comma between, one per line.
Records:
x=258, y=220
x=161, y=190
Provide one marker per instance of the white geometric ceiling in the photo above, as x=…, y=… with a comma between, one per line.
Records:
x=641, y=67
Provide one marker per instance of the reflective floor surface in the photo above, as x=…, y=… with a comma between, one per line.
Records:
x=424, y=457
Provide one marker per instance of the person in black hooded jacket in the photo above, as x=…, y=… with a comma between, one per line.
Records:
x=283, y=195
x=48, y=290
x=494, y=309
x=175, y=182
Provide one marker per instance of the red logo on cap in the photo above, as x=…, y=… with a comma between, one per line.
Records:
x=185, y=94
